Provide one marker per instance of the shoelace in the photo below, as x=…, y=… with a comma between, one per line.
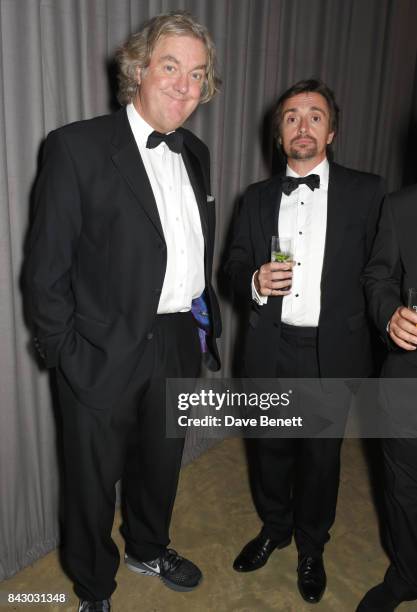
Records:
x=171, y=559
x=307, y=566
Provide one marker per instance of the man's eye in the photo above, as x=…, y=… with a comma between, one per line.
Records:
x=316, y=118
x=291, y=119
x=169, y=68
x=197, y=76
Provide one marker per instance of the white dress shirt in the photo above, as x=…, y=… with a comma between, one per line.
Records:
x=180, y=219
x=303, y=217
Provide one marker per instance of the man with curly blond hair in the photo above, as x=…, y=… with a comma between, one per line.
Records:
x=118, y=279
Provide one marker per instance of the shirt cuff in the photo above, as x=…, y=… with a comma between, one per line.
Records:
x=259, y=299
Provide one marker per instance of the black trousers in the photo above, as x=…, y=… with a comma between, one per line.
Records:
x=296, y=481
x=127, y=442
x=400, y=494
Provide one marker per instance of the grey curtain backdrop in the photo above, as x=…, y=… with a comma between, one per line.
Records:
x=54, y=68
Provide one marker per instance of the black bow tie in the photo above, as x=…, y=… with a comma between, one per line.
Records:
x=289, y=183
x=174, y=141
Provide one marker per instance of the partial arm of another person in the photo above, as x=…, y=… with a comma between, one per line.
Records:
x=382, y=280
x=402, y=328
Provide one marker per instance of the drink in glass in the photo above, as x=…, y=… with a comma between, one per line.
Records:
x=281, y=249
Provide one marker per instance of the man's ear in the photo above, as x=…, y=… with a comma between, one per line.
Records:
x=330, y=138
x=139, y=75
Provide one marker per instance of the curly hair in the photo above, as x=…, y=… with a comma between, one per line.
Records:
x=136, y=52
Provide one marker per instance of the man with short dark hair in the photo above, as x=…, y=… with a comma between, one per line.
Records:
x=308, y=316
x=120, y=259
x=389, y=275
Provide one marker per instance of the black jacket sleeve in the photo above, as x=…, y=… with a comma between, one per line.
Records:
x=51, y=249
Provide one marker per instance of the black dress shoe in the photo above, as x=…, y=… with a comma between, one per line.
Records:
x=311, y=578
x=379, y=599
x=256, y=553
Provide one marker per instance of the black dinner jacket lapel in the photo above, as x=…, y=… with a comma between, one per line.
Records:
x=128, y=161
x=338, y=210
x=196, y=176
x=270, y=201
x=269, y=205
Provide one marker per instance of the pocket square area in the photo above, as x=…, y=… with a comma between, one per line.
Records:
x=210, y=198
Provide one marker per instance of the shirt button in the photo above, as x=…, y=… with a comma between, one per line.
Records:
x=297, y=294
x=177, y=218
x=302, y=203
x=298, y=263
x=300, y=233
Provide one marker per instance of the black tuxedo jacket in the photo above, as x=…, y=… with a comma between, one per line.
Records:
x=392, y=269
x=354, y=200
x=97, y=254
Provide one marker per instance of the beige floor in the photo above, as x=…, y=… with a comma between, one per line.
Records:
x=213, y=518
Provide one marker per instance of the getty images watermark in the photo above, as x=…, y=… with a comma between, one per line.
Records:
x=232, y=400
x=292, y=408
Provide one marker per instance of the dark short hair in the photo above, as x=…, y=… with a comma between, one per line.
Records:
x=311, y=86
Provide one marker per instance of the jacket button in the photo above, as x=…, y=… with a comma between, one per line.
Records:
x=149, y=336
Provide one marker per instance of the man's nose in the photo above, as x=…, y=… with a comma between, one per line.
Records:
x=181, y=83
x=303, y=126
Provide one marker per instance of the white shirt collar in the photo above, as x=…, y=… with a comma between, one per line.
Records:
x=322, y=169
x=140, y=128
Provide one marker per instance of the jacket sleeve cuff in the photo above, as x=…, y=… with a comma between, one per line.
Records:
x=259, y=299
